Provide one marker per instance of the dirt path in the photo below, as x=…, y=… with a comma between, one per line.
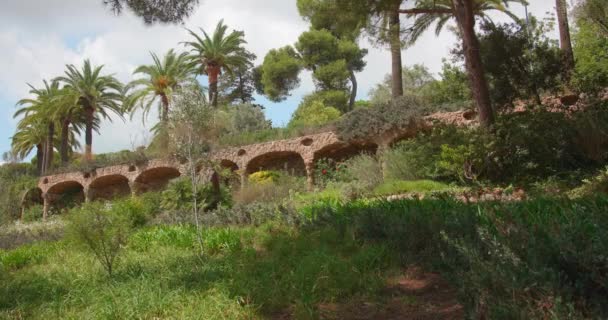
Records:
x=414, y=295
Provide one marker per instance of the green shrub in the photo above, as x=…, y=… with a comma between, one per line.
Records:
x=179, y=196
x=402, y=186
x=282, y=188
x=264, y=176
x=430, y=155
x=218, y=240
x=182, y=236
x=23, y=256
x=365, y=169
x=597, y=185
x=15, y=180
x=33, y=213
x=137, y=210
x=399, y=114
x=505, y=258
x=102, y=230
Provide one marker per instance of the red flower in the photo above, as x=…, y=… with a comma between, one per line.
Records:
x=324, y=171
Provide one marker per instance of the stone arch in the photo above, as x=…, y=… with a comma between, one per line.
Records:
x=232, y=178
x=154, y=179
x=343, y=151
x=109, y=187
x=65, y=194
x=289, y=161
x=32, y=197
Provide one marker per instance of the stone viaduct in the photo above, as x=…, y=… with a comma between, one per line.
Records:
x=297, y=155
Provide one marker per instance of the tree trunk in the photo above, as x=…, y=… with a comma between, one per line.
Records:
x=49, y=146
x=463, y=11
x=564, y=38
x=88, y=134
x=164, y=139
x=39, y=157
x=213, y=72
x=216, y=189
x=353, y=91
x=395, y=44
x=65, y=135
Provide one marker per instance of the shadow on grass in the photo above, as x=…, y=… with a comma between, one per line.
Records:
x=28, y=290
x=296, y=271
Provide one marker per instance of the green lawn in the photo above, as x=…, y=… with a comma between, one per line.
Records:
x=245, y=273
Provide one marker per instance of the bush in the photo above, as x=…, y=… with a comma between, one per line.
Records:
x=594, y=186
x=33, y=213
x=400, y=114
x=313, y=112
x=23, y=256
x=256, y=213
x=400, y=186
x=221, y=240
x=591, y=73
x=15, y=180
x=428, y=155
x=507, y=259
x=264, y=177
x=179, y=196
x=365, y=169
x=102, y=230
x=282, y=188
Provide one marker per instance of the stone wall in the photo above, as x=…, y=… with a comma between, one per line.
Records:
x=297, y=154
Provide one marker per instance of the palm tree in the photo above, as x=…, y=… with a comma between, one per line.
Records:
x=40, y=109
x=219, y=52
x=30, y=135
x=69, y=115
x=161, y=79
x=97, y=96
x=428, y=12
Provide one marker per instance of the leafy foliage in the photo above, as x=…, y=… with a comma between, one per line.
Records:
x=279, y=73
x=520, y=62
x=313, y=112
x=155, y=11
x=15, y=180
x=179, y=196
x=102, y=230
x=591, y=73
x=367, y=122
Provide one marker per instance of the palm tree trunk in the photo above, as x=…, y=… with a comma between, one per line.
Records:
x=88, y=134
x=564, y=37
x=463, y=10
x=395, y=44
x=213, y=72
x=353, y=91
x=63, y=150
x=49, y=146
x=164, y=138
x=39, y=157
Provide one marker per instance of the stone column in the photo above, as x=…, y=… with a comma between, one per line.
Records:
x=382, y=149
x=134, y=186
x=310, y=175
x=46, y=200
x=88, y=194
x=243, y=176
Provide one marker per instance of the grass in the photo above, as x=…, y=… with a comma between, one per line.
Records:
x=505, y=259
x=246, y=273
x=404, y=186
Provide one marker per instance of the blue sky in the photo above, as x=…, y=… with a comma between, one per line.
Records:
x=37, y=39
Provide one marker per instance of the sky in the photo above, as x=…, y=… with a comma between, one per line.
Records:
x=39, y=37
